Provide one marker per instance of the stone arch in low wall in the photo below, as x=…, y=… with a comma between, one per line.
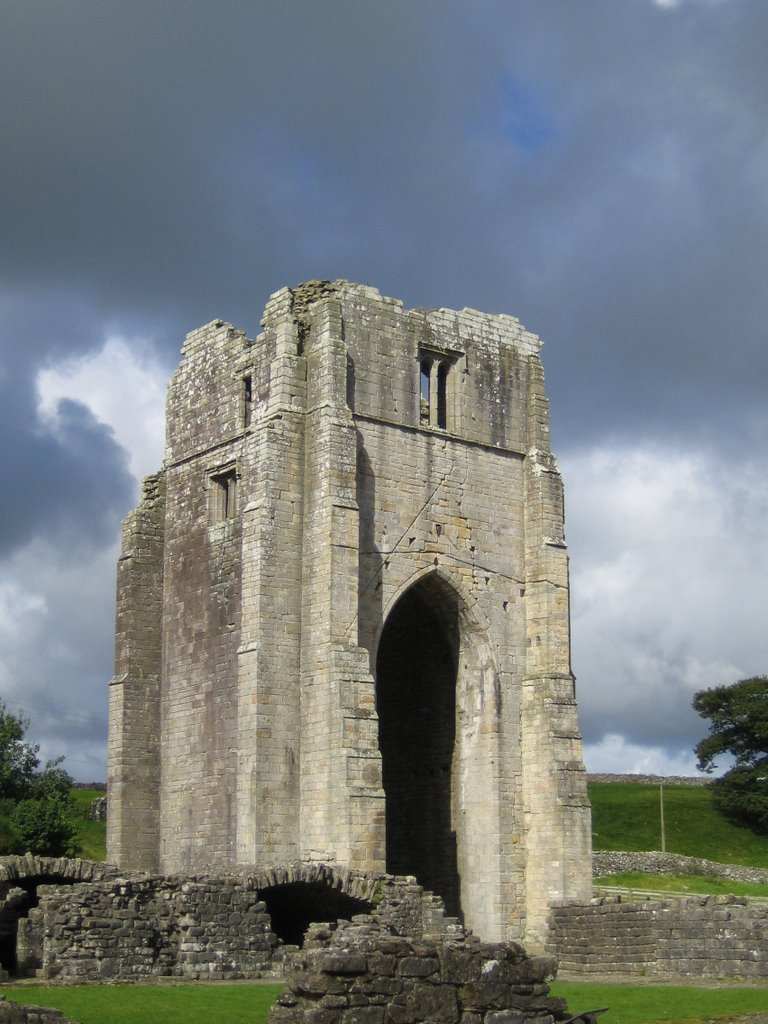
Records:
x=28, y=867
x=359, y=885
x=20, y=877
x=296, y=895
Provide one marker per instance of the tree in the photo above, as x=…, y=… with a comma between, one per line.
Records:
x=18, y=759
x=45, y=826
x=738, y=717
x=36, y=803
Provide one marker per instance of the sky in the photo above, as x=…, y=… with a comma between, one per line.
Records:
x=597, y=168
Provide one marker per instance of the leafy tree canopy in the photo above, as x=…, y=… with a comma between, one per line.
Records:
x=35, y=802
x=18, y=759
x=45, y=826
x=738, y=726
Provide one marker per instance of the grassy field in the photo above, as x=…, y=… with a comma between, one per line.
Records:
x=625, y=816
x=249, y=1004
x=672, y=1004
x=154, y=1004
x=694, y=884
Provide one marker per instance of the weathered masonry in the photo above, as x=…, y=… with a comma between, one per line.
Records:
x=342, y=624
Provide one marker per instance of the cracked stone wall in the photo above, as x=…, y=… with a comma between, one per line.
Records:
x=354, y=460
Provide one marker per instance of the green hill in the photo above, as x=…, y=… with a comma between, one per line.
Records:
x=92, y=835
x=626, y=816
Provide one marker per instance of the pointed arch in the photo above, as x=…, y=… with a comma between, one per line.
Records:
x=439, y=704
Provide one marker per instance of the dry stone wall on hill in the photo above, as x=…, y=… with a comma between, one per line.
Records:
x=653, y=863
x=655, y=780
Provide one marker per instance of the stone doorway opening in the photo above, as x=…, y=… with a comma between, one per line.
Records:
x=416, y=672
x=21, y=936
x=294, y=906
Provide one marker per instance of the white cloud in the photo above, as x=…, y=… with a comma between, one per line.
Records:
x=56, y=612
x=15, y=604
x=672, y=4
x=56, y=629
x=669, y=580
x=614, y=754
x=123, y=384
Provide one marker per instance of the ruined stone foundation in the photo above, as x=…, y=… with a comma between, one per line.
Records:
x=342, y=621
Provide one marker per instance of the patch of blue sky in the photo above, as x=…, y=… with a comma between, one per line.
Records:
x=525, y=120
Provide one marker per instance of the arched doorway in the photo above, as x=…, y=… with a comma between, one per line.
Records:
x=294, y=906
x=416, y=669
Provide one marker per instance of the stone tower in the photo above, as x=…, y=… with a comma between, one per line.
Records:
x=342, y=617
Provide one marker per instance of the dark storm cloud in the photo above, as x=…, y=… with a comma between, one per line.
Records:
x=72, y=483
x=73, y=486
x=189, y=158
x=598, y=170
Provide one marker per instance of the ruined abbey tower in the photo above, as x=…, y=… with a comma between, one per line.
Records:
x=342, y=622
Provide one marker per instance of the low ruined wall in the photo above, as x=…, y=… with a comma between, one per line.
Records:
x=654, y=863
x=358, y=974
x=195, y=928
x=697, y=937
x=13, y=1013
x=202, y=927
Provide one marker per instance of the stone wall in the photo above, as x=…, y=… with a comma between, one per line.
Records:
x=208, y=927
x=20, y=877
x=697, y=937
x=242, y=925
x=194, y=928
x=99, y=809
x=14, y=1013
x=653, y=863
x=358, y=974
x=655, y=780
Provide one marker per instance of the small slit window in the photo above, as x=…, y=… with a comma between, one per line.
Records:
x=424, y=389
x=224, y=496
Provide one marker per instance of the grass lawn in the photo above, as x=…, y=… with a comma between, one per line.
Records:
x=694, y=884
x=649, y=1004
x=249, y=1004
x=154, y=1004
x=625, y=816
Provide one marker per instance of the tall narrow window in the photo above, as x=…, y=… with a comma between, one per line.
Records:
x=247, y=400
x=442, y=397
x=224, y=496
x=424, y=389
